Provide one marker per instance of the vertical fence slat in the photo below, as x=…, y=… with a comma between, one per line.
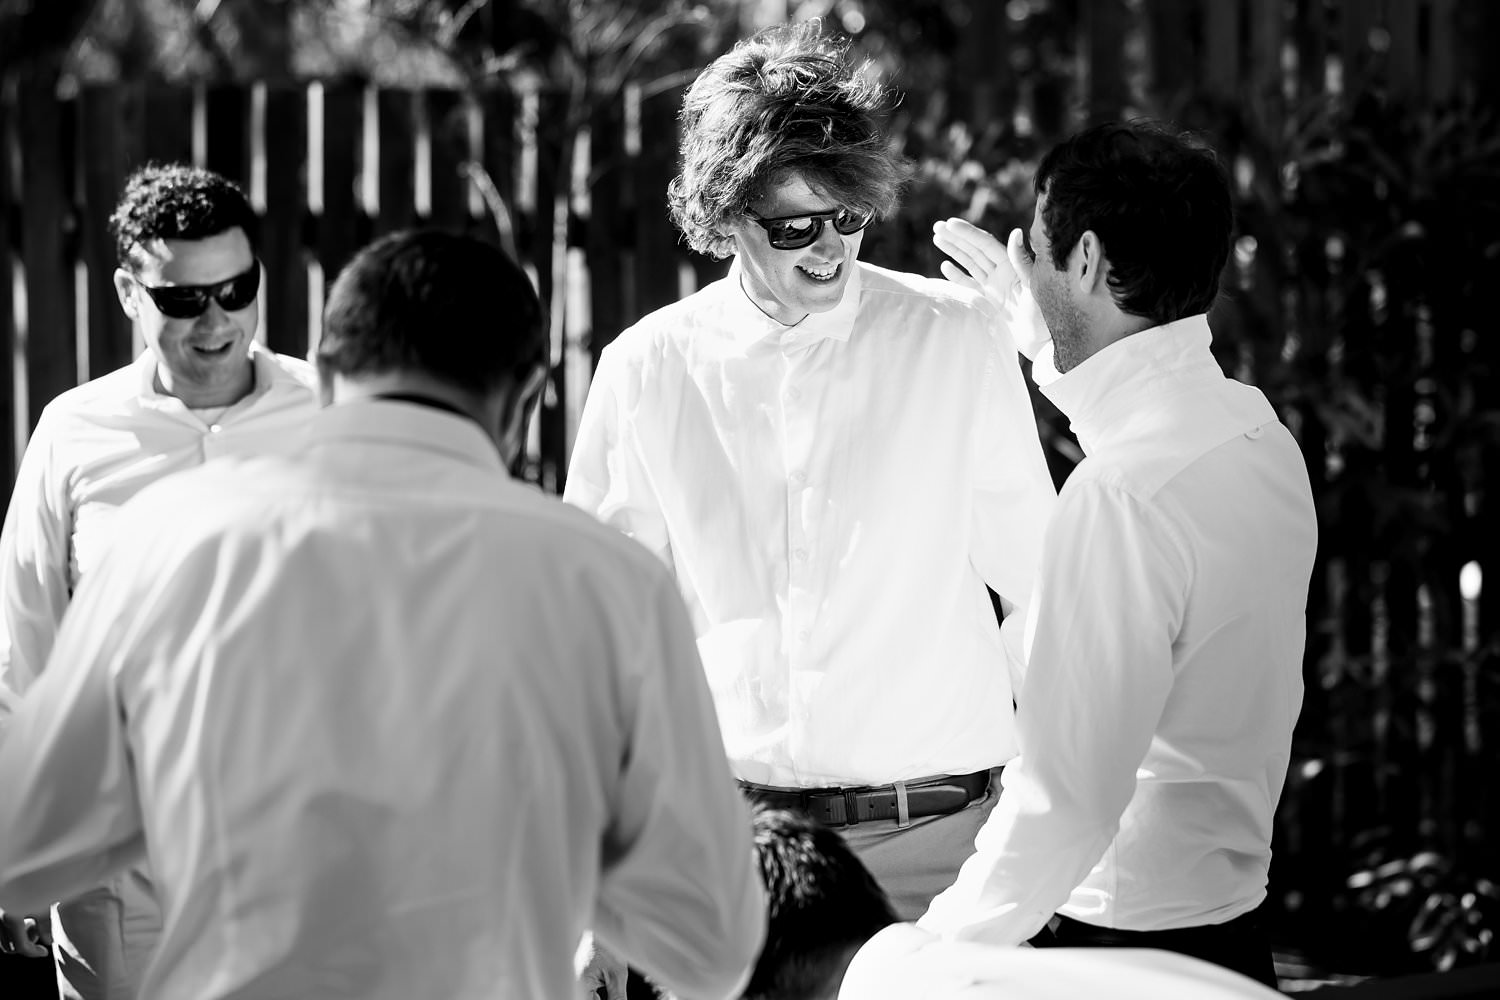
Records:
x=285, y=295
x=1442, y=48
x=106, y=164
x=227, y=114
x=397, y=129
x=498, y=160
x=657, y=253
x=46, y=211
x=169, y=123
x=1171, y=44
x=1104, y=25
x=605, y=238
x=547, y=252
x=8, y=429
x=343, y=228
x=448, y=126
x=1221, y=47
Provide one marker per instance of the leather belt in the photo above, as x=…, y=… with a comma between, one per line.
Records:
x=937, y=796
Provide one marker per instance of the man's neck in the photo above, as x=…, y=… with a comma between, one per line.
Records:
x=198, y=398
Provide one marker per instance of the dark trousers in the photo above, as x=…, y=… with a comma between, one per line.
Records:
x=1239, y=945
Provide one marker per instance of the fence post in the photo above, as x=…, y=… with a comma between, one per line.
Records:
x=107, y=141
x=46, y=216
x=285, y=297
x=8, y=429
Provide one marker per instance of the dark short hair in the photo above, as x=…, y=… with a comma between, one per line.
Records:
x=175, y=201
x=1158, y=200
x=449, y=306
x=788, y=99
x=822, y=902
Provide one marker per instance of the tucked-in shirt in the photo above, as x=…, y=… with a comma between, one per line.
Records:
x=388, y=725
x=1164, y=657
x=96, y=446
x=904, y=961
x=832, y=498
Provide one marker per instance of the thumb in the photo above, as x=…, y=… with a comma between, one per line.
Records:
x=1015, y=251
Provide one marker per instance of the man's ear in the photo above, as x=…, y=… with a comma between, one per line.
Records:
x=125, y=291
x=1091, y=263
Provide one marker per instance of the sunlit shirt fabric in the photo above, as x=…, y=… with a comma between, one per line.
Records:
x=1164, y=657
x=903, y=961
x=389, y=725
x=832, y=498
x=95, y=447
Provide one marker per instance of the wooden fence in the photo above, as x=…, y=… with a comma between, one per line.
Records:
x=1402, y=722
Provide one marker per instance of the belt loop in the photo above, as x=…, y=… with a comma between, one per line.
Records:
x=851, y=807
x=903, y=812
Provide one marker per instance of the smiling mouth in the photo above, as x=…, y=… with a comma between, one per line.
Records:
x=822, y=275
x=214, y=352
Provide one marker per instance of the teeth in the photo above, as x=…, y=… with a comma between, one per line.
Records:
x=821, y=274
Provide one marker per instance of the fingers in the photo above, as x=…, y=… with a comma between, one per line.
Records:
x=957, y=275
x=980, y=240
x=39, y=932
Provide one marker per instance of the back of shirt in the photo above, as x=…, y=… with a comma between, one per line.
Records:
x=398, y=726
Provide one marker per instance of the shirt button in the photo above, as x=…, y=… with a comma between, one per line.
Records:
x=800, y=555
x=213, y=428
x=1253, y=434
x=793, y=393
x=802, y=635
x=798, y=478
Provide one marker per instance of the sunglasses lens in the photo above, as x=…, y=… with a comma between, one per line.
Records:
x=239, y=292
x=848, y=223
x=179, y=303
x=794, y=234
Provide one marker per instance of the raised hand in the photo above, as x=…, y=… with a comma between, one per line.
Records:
x=1001, y=271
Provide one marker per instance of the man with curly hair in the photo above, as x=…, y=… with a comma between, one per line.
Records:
x=835, y=460
x=189, y=279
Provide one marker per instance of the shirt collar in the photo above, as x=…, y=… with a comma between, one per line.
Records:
x=1108, y=387
x=746, y=322
x=411, y=424
x=267, y=374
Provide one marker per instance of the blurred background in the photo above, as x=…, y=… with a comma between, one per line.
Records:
x=1362, y=138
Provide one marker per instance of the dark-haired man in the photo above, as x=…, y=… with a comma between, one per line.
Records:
x=1163, y=670
x=189, y=279
x=831, y=933
x=389, y=723
x=834, y=459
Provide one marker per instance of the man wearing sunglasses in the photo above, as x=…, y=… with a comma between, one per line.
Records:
x=188, y=277
x=834, y=459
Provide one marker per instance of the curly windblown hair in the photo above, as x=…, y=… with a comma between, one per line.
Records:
x=175, y=201
x=788, y=100
x=1159, y=201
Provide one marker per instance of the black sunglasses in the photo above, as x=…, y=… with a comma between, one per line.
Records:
x=793, y=232
x=189, y=301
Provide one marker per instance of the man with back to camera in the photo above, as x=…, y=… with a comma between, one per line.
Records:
x=834, y=459
x=1163, y=646
x=189, y=279
x=388, y=723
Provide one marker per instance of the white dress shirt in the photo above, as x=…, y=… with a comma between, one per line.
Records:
x=903, y=961
x=1164, y=657
x=832, y=498
x=388, y=725
x=95, y=447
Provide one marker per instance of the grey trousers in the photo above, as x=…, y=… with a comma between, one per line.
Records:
x=916, y=862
